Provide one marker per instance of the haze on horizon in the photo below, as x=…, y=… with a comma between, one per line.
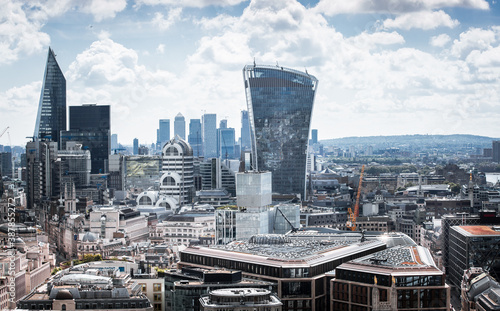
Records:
x=390, y=68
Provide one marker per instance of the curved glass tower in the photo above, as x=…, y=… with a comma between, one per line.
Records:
x=280, y=102
x=51, y=118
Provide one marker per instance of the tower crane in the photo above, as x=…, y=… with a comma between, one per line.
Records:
x=3, y=132
x=351, y=220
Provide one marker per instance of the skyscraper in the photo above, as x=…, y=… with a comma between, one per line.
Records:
x=314, y=136
x=209, y=135
x=194, y=137
x=496, y=151
x=180, y=126
x=136, y=146
x=90, y=125
x=245, y=132
x=280, y=102
x=225, y=141
x=51, y=117
x=163, y=133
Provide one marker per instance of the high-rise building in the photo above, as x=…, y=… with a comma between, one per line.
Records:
x=136, y=146
x=5, y=164
x=314, y=136
x=163, y=133
x=114, y=141
x=280, y=103
x=194, y=137
x=180, y=126
x=38, y=171
x=90, y=126
x=177, y=167
x=209, y=135
x=225, y=141
x=496, y=151
x=245, y=132
x=51, y=117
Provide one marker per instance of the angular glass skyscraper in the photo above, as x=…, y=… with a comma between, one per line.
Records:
x=51, y=117
x=280, y=102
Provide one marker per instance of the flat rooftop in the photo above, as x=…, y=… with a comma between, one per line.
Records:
x=478, y=230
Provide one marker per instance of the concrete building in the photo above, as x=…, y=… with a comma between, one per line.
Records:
x=112, y=222
x=177, y=168
x=397, y=278
x=185, y=228
x=297, y=265
x=240, y=299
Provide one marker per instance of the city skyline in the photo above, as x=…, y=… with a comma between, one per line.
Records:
x=409, y=68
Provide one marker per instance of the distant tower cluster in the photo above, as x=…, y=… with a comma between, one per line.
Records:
x=180, y=126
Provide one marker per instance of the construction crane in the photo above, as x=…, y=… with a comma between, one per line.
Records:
x=294, y=229
x=3, y=132
x=351, y=220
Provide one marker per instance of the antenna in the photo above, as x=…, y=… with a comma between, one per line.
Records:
x=254, y=65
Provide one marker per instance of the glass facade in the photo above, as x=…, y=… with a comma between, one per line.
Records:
x=209, y=135
x=194, y=137
x=180, y=126
x=163, y=132
x=97, y=142
x=280, y=103
x=245, y=131
x=51, y=117
x=89, y=117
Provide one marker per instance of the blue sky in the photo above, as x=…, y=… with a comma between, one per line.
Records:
x=385, y=67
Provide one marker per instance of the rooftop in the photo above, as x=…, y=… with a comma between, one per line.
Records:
x=478, y=230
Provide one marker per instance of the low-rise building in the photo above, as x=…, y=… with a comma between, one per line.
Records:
x=241, y=299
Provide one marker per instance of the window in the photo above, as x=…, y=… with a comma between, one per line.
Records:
x=143, y=287
x=157, y=287
x=157, y=297
x=157, y=307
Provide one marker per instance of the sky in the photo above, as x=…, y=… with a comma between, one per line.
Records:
x=385, y=67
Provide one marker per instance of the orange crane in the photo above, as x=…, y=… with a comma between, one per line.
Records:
x=351, y=219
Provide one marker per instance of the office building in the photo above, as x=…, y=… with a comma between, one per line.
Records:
x=225, y=141
x=245, y=132
x=194, y=137
x=38, y=171
x=240, y=299
x=51, y=117
x=90, y=126
x=163, y=133
x=135, y=147
x=96, y=285
x=177, y=167
x=298, y=265
x=398, y=278
x=209, y=135
x=216, y=175
x=114, y=143
x=314, y=136
x=180, y=126
x=473, y=246
x=5, y=164
x=496, y=151
x=280, y=103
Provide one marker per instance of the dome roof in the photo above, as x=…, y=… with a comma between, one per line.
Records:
x=89, y=237
x=64, y=294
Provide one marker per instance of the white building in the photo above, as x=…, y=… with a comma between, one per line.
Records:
x=111, y=222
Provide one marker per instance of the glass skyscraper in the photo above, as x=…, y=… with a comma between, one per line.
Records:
x=194, y=137
x=180, y=126
x=245, y=131
x=280, y=102
x=209, y=135
x=163, y=133
x=51, y=117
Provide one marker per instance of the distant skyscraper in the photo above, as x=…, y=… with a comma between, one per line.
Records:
x=225, y=141
x=496, y=151
x=209, y=135
x=163, y=132
x=194, y=138
x=180, y=126
x=314, y=136
x=114, y=141
x=280, y=102
x=245, y=132
x=90, y=125
x=136, y=146
x=51, y=117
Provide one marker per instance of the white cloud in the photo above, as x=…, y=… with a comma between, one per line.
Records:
x=165, y=23
x=474, y=39
x=440, y=40
x=422, y=20
x=161, y=48
x=103, y=9
x=329, y=7
x=189, y=3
